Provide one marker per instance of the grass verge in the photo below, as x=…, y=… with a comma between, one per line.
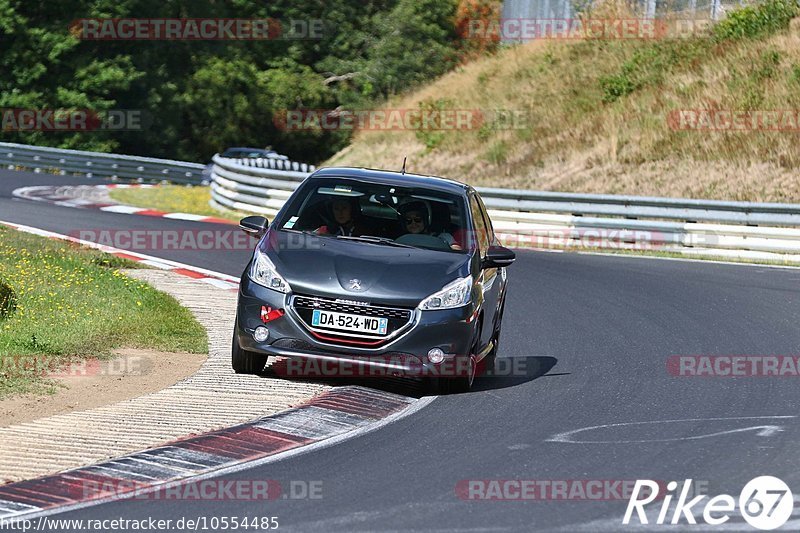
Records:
x=60, y=304
x=174, y=199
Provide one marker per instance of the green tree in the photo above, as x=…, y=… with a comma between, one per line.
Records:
x=200, y=96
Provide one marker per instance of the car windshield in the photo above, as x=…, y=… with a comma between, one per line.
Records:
x=377, y=214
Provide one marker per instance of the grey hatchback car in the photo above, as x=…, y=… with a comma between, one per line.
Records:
x=385, y=272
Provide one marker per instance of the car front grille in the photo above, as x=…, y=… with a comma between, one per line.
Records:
x=397, y=319
x=340, y=307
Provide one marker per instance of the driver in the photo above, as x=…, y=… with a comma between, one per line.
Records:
x=416, y=220
x=345, y=218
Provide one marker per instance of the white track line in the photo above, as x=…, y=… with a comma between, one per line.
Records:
x=164, y=264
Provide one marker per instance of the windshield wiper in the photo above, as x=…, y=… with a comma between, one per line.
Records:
x=301, y=231
x=374, y=240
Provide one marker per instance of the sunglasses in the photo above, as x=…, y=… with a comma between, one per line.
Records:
x=416, y=220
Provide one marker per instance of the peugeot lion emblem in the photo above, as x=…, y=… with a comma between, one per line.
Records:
x=355, y=284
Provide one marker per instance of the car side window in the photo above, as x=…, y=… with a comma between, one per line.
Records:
x=487, y=221
x=481, y=233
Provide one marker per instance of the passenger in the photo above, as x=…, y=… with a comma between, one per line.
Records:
x=345, y=212
x=416, y=220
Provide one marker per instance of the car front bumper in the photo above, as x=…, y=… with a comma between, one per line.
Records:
x=450, y=330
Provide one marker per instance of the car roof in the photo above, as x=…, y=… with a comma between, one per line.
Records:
x=245, y=149
x=387, y=177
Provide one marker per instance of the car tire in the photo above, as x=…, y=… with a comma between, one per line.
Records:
x=459, y=384
x=491, y=357
x=244, y=361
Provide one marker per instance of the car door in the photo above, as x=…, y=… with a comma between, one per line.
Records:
x=488, y=278
x=499, y=287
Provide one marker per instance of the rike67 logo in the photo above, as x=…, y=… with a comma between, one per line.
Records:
x=765, y=503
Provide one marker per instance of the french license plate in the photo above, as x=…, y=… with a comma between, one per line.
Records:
x=348, y=322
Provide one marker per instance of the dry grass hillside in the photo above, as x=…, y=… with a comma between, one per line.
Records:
x=593, y=115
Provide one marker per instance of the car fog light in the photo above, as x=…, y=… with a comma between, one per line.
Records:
x=261, y=334
x=436, y=356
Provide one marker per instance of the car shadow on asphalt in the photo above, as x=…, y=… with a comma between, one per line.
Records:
x=508, y=371
x=405, y=386
x=511, y=371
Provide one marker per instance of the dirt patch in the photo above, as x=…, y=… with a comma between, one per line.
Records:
x=131, y=373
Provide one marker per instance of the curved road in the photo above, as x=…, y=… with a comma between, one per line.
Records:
x=594, y=334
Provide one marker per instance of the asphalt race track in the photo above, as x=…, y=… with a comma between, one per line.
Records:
x=593, y=334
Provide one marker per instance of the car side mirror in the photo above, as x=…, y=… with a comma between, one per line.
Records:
x=498, y=257
x=255, y=226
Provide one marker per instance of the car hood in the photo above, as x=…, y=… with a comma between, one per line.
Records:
x=326, y=266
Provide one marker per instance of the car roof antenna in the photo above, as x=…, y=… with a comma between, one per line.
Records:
x=404, y=165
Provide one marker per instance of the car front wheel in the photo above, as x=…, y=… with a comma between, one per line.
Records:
x=491, y=357
x=459, y=384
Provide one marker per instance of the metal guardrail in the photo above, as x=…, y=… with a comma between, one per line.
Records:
x=750, y=213
x=255, y=185
x=96, y=164
x=554, y=220
x=521, y=218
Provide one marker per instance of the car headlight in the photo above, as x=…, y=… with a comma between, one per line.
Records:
x=452, y=295
x=264, y=273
